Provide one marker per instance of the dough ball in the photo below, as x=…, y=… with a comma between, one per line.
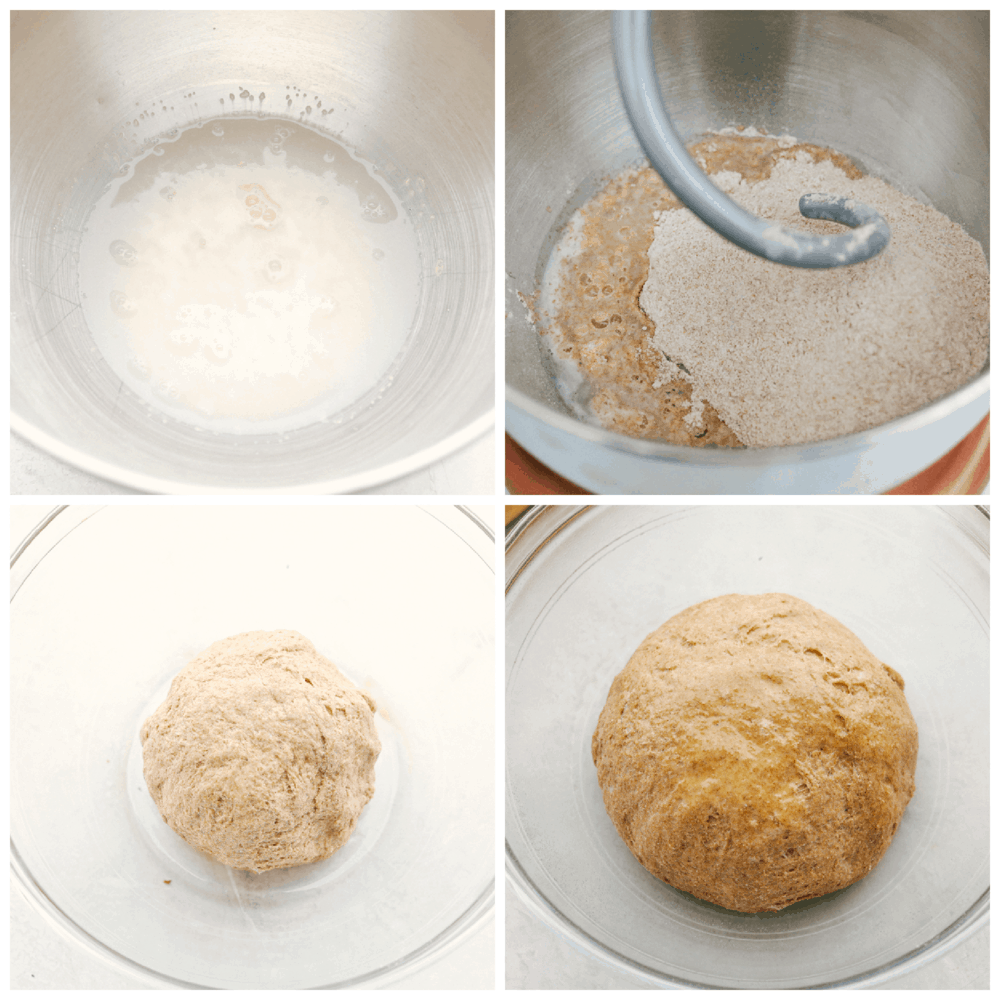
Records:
x=263, y=754
x=754, y=753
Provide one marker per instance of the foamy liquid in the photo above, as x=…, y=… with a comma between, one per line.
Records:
x=249, y=275
x=570, y=380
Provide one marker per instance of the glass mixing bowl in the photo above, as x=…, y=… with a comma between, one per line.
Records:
x=110, y=603
x=585, y=585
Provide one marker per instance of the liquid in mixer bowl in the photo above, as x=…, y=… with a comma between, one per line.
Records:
x=249, y=275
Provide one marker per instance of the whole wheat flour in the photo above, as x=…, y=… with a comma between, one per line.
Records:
x=664, y=329
x=263, y=755
x=754, y=753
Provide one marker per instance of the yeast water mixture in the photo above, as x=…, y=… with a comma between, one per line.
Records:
x=249, y=275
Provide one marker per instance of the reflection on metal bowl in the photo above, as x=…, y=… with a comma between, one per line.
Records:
x=856, y=82
x=411, y=92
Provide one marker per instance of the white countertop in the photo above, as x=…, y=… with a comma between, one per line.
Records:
x=42, y=956
x=538, y=958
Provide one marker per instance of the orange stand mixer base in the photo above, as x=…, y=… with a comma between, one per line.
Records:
x=964, y=470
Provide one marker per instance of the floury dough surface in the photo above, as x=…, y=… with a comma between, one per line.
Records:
x=754, y=753
x=661, y=328
x=263, y=755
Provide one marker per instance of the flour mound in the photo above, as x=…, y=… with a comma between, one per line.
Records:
x=789, y=355
x=263, y=754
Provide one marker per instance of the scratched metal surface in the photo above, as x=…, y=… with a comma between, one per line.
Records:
x=412, y=92
x=905, y=94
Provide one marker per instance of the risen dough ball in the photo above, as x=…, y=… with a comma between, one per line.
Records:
x=263, y=754
x=754, y=753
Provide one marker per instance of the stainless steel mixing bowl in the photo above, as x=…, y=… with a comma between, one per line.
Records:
x=412, y=92
x=905, y=94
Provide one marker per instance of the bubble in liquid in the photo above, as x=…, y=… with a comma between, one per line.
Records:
x=166, y=389
x=183, y=342
x=323, y=200
x=158, y=151
x=378, y=254
x=277, y=270
x=217, y=350
x=138, y=368
x=168, y=193
x=328, y=157
x=123, y=253
x=218, y=131
x=122, y=305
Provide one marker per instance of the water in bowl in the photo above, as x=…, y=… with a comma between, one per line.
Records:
x=249, y=275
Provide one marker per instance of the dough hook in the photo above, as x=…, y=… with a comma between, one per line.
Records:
x=637, y=80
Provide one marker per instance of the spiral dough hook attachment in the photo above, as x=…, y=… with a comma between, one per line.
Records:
x=636, y=68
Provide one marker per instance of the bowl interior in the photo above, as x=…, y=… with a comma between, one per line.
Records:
x=410, y=92
x=586, y=585
x=858, y=82
x=110, y=604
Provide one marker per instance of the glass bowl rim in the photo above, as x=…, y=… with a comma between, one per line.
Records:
x=517, y=879
x=465, y=925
